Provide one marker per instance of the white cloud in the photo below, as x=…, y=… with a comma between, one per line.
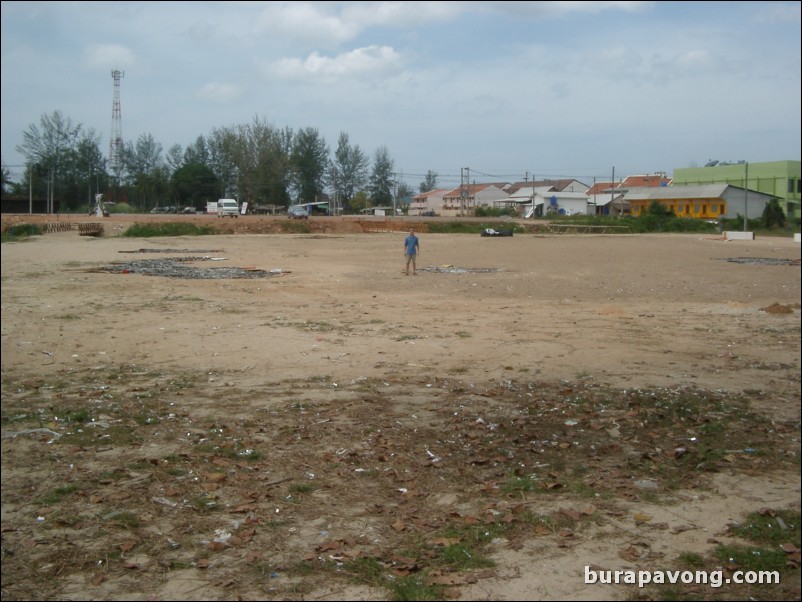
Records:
x=358, y=63
x=304, y=21
x=218, y=92
x=401, y=14
x=107, y=56
x=559, y=9
x=697, y=58
x=772, y=12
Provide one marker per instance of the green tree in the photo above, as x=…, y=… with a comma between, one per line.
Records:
x=358, y=202
x=382, y=178
x=659, y=210
x=404, y=191
x=773, y=215
x=174, y=159
x=429, y=182
x=309, y=161
x=263, y=162
x=60, y=156
x=198, y=152
x=90, y=171
x=145, y=173
x=348, y=170
x=193, y=184
x=6, y=180
x=224, y=148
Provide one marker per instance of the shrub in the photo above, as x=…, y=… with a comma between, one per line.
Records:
x=167, y=229
x=21, y=231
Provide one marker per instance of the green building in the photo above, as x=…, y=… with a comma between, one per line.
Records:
x=778, y=178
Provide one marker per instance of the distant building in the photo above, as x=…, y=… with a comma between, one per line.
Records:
x=562, y=185
x=706, y=201
x=24, y=204
x=780, y=179
x=427, y=202
x=464, y=200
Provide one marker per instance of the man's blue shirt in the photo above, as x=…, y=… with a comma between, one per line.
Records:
x=411, y=245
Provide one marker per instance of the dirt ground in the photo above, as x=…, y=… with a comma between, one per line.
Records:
x=316, y=425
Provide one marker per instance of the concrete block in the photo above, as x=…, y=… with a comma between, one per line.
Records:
x=739, y=235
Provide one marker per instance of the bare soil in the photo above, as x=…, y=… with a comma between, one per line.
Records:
x=263, y=415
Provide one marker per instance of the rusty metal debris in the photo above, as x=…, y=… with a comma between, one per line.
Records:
x=175, y=268
x=763, y=260
x=452, y=269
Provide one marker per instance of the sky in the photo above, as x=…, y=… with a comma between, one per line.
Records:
x=494, y=91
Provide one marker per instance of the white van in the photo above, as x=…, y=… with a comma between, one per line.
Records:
x=227, y=207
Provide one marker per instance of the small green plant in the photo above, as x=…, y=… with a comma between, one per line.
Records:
x=21, y=232
x=750, y=558
x=125, y=520
x=167, y=229
x=302, y=488
x=519, y=485
x=296, y=226
x=146, y=419
x=89, y=436
x=691, y=560
x=203, y=504
x=58, y=494
x=414, y=587
x=770, y=527
x=70, y=317
x=139, y=465
x=460, y=557
x=178, y=565
x=471, y=227
x=367, y=570
x=81, y=416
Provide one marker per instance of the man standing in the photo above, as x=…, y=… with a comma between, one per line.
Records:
x=411, y=249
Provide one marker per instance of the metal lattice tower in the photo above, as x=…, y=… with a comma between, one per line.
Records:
x=116, y=140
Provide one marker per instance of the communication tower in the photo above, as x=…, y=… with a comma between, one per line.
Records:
x=116, y=140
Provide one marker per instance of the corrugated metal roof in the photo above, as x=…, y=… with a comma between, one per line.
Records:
x=650, y=193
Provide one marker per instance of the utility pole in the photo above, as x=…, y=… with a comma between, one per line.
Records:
x=612, y=190
x=526, y=181
x=463, y=193
x=468, y=191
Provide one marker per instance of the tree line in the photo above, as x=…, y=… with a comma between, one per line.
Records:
x=256, y=163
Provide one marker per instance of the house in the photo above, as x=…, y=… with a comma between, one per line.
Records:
x=463, y=200
x=608, y=198
x=605, y=198
x=646, y=181
x=426, y=202
x=704, y=201
x=560, y=203
x=563, y=185
x=780, y=179
x=522, y=197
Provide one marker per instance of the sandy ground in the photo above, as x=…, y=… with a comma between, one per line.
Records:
x=336, y=327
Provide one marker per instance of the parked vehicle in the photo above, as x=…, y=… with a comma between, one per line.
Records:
x=297, y=212
x=227, y=207
x=188, y=211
